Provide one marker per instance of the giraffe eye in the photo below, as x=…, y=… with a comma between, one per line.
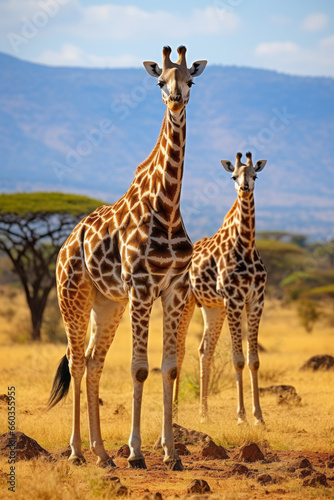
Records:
x=190, y=83
x=234, y=177
x=255, y=177
x=161, y=84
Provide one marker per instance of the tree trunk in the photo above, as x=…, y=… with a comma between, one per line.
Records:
x=36, y=321
x=37, y=307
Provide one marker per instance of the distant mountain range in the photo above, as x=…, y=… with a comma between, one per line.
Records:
x=86, y=130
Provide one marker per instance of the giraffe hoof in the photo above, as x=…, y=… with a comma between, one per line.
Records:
x=174, y=464
x=137, y=463
x=259, y=422
x=108, y=463
x=75, y=460
x=242, y=421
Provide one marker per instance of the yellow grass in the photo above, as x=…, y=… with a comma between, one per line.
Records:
x=31, y=367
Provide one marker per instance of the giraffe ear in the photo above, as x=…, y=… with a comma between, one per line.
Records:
x=197, y=68
x=152, y=68
x=260, y=164
x=227, y=165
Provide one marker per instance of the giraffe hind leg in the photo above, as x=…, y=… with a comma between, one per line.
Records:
x=105, y=318
x=213, y=322
x=76, y=294
x=173, y=301
x=234, y=314
x=187, y=314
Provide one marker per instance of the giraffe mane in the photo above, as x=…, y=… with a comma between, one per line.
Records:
x=154, y=151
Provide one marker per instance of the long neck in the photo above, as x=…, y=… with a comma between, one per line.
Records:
x=166, y=169
x=241, y=222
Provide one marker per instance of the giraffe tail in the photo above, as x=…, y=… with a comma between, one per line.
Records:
x=60, y=384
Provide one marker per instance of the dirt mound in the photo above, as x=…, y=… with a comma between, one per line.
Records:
x=211, y=450
x=185, y=436
x=182, y=449
x=319, y=362
x=21, y=447
x=249, y=452
x=316, y=479
x=198, y=486
x=239, y=469
x=123, y=451
x=286, y=394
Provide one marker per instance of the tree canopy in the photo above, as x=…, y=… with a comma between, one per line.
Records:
x=33, y=228
x=24, y=204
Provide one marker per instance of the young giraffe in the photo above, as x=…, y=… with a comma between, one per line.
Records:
x=226, y=275
x=134, y=250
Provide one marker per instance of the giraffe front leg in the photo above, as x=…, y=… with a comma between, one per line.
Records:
x=234, y=312
x=105, y=318
x=187, y=314
x=76, y=321
x=213, y=322
x=173, y=301
x=254, y=312
x=140, y=311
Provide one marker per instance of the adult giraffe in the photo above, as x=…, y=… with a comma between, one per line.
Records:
x=132, y=251
x=226, y=275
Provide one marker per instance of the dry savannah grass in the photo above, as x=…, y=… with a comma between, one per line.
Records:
x=292, y=430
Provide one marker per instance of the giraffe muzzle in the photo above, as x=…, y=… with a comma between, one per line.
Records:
x=175, y=103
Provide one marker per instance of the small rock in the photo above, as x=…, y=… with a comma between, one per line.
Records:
x=286, y=394
x=123, y=451
x=239, y=469
x=198, y=486
x=300, y=463
x=157, y=371
x=152, y=496
x=120, y=410
x=211, y=450
x=100, y=401
x=316, y=479
x=264, y=478
x=250, y=452
x=182, y=449
x=319, y=362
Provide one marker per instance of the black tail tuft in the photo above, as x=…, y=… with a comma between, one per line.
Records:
x=60, y=384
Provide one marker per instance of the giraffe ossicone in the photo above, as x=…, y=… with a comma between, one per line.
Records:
x=135, y=251
x=226, y=276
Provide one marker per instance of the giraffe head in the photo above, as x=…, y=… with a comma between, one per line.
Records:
x=175, y=79
x=244, y=174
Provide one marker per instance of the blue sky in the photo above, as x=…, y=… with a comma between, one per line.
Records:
x=291, y=36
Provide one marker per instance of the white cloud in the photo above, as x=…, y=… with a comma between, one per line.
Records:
x=117, y=22
x=317, y=21
x=276, y=48
x=71, y=55
x=132, y=23
x=292, y=58
x=280, y=21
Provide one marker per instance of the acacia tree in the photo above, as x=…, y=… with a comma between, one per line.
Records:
x=33, y=227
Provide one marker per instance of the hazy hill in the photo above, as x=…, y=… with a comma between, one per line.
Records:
x=49, y=119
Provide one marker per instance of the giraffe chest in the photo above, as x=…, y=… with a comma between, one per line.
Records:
x=138, y=253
